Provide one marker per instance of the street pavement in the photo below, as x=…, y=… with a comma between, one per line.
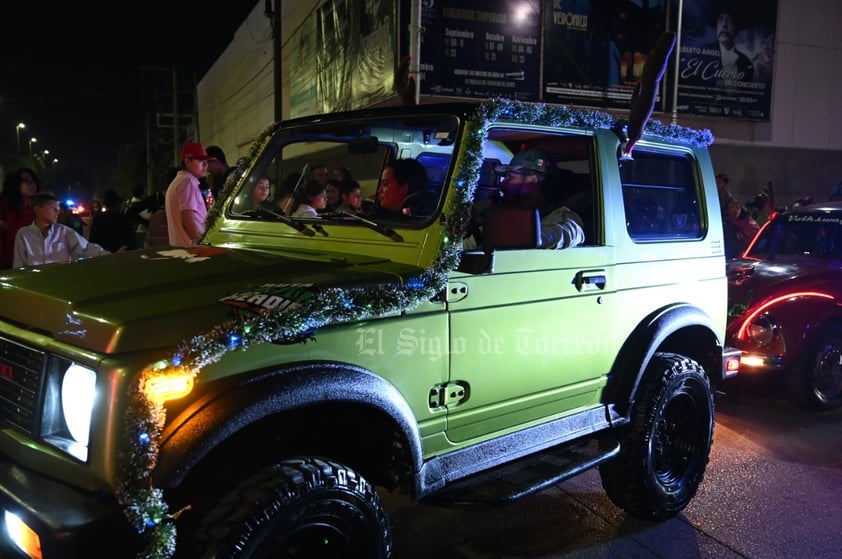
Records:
x=771, y=491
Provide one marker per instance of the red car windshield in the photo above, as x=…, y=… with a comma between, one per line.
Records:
x=818, y=234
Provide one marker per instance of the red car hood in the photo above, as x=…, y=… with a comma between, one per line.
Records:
x=750, y=280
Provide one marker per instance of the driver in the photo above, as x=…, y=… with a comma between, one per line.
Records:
x=401, y=178
x=532, y=179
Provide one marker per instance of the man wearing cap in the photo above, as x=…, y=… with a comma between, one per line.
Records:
x=531, y=179
x=185, y=207
x=218, y=170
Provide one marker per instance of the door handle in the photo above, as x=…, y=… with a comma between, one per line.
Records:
x=586, y=280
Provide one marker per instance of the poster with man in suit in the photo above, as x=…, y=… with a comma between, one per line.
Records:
x=726, y=58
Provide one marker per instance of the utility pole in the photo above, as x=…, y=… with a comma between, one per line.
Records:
x=149, y=187
x=175, y=116
x=677, y=55
x=415, y=30
x=275, y=17
x=176, y=163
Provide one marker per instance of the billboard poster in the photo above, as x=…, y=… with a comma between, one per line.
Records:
x=480, y=49
x=727, y=57
x=302, y=85
x=594, y=50
x=344, y=57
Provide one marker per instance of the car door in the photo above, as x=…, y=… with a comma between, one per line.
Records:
x=532, y=339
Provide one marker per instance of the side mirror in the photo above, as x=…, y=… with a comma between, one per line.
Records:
x=476, y=262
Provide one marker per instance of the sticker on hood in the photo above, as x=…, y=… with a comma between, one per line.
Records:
x=190, y=255
x=271, y=296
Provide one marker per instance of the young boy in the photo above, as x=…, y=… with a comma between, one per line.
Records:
x=45, y=241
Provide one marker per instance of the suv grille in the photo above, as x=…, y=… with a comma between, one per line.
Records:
x=21, y=370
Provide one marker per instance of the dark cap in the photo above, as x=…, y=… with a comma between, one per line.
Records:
x=215, y=152
x=532, y=159
x=722, y=176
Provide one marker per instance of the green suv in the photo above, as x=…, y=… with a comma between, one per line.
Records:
x=253, y=395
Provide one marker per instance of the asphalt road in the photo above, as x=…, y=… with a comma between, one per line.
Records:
x=771, y=491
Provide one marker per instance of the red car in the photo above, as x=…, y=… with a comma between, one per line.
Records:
x=785, y=303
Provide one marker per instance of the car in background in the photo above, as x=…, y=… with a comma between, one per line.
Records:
x=785, y=304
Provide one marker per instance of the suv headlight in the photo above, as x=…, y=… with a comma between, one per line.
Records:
x=68, y=407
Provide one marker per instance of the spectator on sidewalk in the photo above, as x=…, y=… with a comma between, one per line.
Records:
x=185, y=207
x=139, y=209
x=45, y=241
x=112, y=229
x=740, y=229
x=15, y=209
x=156, y=233
x=725, y=195
x=218, y=171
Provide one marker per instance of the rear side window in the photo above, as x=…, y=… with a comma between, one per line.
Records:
x=660, y=196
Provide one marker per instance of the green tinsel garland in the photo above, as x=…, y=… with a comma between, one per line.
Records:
x=144, y=505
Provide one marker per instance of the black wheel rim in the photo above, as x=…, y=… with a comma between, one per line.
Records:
x=322, y=529
x=681, y=437
x=826, y=378
x=316, y=540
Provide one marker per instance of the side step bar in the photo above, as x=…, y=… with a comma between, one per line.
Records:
x=514, y=480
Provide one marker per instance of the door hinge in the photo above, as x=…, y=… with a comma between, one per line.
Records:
x=448, y=394
x=456, y=291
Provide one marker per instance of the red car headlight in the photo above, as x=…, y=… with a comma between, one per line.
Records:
x=762, y=331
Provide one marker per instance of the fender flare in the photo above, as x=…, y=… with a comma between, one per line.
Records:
x=220, y=413
x=642, y=344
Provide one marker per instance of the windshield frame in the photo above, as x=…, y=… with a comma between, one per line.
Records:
x=364, y=146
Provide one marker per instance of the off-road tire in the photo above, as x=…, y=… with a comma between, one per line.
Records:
x=816, y=380
x=302, y=508
x=665, y=448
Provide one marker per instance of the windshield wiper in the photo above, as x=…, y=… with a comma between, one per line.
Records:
x=374, y=226
x=300, y=227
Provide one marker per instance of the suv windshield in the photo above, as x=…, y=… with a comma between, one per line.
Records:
x=340, y=170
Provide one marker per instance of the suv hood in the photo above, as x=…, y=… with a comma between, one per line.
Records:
x=174, y=292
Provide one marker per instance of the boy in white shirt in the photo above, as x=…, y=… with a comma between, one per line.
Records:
x=45, y=240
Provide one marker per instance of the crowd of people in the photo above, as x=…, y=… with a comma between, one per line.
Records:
x=35, y=228
x=38, y=228
x=742, y=220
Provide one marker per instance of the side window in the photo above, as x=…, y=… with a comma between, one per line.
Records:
x=661, y=196
x=570, y=184
x=436, y=165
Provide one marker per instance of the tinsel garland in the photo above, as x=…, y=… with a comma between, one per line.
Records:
x=144, y=505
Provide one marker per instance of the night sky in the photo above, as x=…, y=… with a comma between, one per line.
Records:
x=77, y=74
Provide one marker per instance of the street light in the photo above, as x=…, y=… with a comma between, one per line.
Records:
x=30, y=145
x=55, y=160
x=17, y=131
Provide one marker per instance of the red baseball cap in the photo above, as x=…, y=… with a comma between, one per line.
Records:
x=194, y=151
